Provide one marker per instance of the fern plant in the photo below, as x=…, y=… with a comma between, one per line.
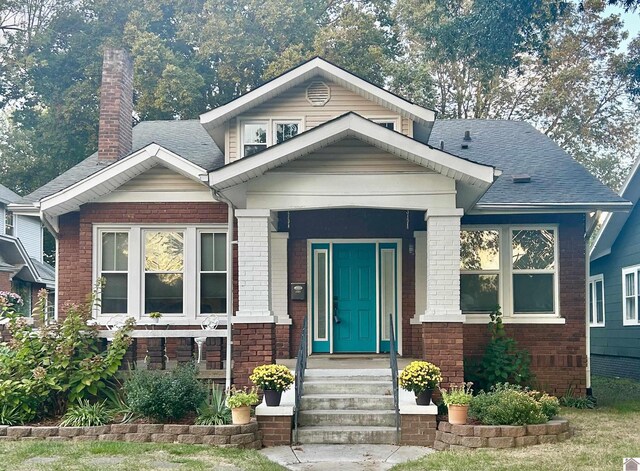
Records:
x=214, y=411
x=86, y=414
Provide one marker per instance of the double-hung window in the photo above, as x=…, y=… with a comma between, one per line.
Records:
x=596, y=301
x=630, y=295
x=257, y=135
x=178, y=271
x=479, y=270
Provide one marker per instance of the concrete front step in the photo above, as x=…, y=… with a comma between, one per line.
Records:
x=346, y=402
x=364, y=418
x=347, y=434
x=376, y=373
x=338, y=386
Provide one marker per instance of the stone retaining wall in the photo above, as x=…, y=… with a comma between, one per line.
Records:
x=227, y=436
x=465, y=437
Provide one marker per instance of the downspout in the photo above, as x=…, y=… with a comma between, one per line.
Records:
x=230, y=234
x=587, y=272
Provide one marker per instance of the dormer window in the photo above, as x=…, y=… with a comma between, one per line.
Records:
x=257, y=135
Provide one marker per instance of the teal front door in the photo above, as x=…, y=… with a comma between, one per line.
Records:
x=354, y=298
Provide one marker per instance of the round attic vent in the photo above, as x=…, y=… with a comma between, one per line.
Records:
x=318, y=93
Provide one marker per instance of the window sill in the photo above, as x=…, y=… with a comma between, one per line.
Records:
x=165, y=333
x=484, y=319
x=597, y=325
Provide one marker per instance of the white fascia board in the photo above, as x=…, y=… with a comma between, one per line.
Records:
x=557, y=207
x=317, y=66
x=101, y=182
x=25, y=257
x=351, y=125
x=25, y=209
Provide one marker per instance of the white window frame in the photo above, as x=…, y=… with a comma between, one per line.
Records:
x=135, y=287
x=397, y=123
x=270, y=124
x=98, y=262
x=635, y=270
x=200, y=271
x=499, y=271
x=592, y=301
x=506, y=277
x=316, y=303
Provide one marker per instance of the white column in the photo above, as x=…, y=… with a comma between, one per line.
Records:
x=443, y=266
x=254, y=257
x=279, y=276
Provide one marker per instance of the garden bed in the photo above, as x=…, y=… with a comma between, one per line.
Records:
x=226, y=436
x=466, y=437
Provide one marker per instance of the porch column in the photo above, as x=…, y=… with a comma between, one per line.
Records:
x=254, y=322
x=442, y=321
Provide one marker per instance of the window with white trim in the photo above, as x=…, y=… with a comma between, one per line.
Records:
x=179, y=271
x=514, y=267
x=596, y=301
x=9, y=223
x=630, y=295
x=259, y=134
x=479, y=270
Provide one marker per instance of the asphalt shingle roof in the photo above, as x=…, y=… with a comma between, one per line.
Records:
x=7, y=196
x=186, y=138
x=515, y=148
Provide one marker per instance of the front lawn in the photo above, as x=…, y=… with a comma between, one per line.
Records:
x=603, y=437
x=93, y=456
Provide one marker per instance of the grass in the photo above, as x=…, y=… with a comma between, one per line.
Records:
x=112, y=456
x=603, y=437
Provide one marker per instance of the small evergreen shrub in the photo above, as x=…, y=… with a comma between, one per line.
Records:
x=502, y=361
x=86, y=414
x=507, y=404
x=164, y=396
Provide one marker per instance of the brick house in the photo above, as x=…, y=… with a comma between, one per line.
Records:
x=321, y=196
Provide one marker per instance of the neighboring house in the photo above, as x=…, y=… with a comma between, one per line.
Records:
x=22, y=269
x=345, y=204
x=614, y=287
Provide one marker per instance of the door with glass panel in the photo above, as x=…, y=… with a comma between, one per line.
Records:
x=353, y=296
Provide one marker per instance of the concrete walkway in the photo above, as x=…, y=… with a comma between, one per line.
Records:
x=350, y=457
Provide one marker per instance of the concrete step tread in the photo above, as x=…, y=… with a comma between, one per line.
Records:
x=345, y=396
x=346, y=428
x=372, y=382
x=348, y=412
x=341, y=373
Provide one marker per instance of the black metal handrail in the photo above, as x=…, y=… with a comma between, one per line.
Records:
x=393, y=359
x=301, y=365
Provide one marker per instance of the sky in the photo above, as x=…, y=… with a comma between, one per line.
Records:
x=631, y=20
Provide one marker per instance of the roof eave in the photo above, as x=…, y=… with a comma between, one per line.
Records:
x=555, y=207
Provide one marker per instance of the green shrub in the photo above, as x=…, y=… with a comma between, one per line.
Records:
x=43, y=369
x=11, y=415
x=506, y=405
x=579, y=402
x=86, y=414
x=164, y=396
x=242, y=397
x=502, y=361
x=549, y=404
x=214, y=410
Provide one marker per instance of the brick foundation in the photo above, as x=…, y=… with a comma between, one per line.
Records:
x=442, y=344
x=253, y=345
x=276, y=430
x=417, y=430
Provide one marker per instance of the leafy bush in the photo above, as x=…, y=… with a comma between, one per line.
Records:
x=457, y=395
x=11, y=415
x=214, y=410
x=86, y=414
x=507, y=405
x=242, y=397
x=502, y=361
x=43, y=369
x=164, y=396
x=579, y=402
x=549, y=404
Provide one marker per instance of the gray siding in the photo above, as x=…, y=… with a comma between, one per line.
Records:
x=29, y=230
x=615, y=339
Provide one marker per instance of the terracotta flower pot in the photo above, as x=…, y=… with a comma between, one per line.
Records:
x=241, y=415
x=424, y=398
x=272, y=398
x=458, y=414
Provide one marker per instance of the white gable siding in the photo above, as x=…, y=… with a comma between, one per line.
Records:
x=293, y=104
x=2, y=220
x=159, y=184
x=29, y=230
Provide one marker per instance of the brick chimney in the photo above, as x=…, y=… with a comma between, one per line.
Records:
x=116, y=106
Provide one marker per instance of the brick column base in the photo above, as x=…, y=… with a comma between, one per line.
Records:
x=283, y=342
x=155, y=354
x=213, y=353
x=442, y=344
x=253, y=345
x=417, y=430
x=276, y=430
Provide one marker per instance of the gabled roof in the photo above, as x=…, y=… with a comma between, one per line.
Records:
x=353, y=125
x=13, y=253
x=7, y=196
x=614, y=222
x=558, y=182
x=184, y=138
x=313, y=68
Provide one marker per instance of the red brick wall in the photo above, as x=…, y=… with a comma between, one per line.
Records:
x=558, y=352
x=297, y=267
x=5, y=281
x=276, y=430
x=442, y=344
x=253, y=345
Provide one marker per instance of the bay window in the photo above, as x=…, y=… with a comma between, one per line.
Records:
x=257, y=135
x=180, y=272
x=509, y=266
x=630, y=295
